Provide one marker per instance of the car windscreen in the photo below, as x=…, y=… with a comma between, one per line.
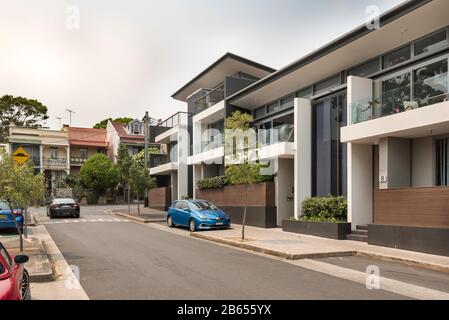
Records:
x=4, y=205
x=63, y=201
x=202, y=205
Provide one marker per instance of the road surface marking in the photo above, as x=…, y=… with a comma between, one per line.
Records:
x=395, y=286
x=84, y=221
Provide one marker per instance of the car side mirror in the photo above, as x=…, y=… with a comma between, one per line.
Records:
x=21, y=259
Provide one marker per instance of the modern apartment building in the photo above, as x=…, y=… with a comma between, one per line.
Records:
x=365, y=116
x=170, y=167
x=85, y=142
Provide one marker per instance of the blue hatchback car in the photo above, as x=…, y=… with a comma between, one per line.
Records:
x=197, y=215
x=8, y=219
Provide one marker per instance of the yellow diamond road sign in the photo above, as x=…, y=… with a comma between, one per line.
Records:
x=20, y=155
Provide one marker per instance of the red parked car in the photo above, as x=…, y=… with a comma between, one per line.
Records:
x=14, y=279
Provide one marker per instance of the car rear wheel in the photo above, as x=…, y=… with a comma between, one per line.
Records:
x=170, y=222
x=26, y=294
x=192, y=225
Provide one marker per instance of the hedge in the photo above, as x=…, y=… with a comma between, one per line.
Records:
x=324, y=209
x=212, y=183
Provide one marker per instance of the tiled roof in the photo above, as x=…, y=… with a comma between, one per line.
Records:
x=88, y=137
x=125, y=137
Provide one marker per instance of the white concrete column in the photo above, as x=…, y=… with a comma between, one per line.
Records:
x=183, y=154
x=303, y=154
x=360, y=184
x=359, y=157
x=41, y=157
x=68, y=159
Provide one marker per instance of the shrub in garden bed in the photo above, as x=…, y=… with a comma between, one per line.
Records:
x=212, y=183
x=326, y=209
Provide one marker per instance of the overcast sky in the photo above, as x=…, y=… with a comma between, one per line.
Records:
x=130, y=56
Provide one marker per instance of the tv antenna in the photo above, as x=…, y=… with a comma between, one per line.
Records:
x=70, y=111
x=60, y=121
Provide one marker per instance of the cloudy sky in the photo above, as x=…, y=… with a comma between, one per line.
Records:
x=125, y=57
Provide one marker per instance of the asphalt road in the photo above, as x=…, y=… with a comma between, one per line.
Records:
x=120, y=259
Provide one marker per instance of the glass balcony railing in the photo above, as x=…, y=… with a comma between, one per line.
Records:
x=209, y=99
x=175, y=120
x=283, y=133
x=211, y=145
x=366, y=109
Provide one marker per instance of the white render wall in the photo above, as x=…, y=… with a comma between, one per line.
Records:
x=284, y=189
x=360, y=184
x=359, y=159
x=423, y=162
x=395, y=163
x=182, y=175
x=303, y=159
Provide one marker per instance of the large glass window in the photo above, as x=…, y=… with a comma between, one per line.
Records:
x=329, y=155
x=396, y=94
x=328, y=83
x=396, y=57
x=430, y=83
x=365, y=69
x=432, y=43
x=305, y=93
x=442, y=165
x=260, y=112
x=287, y=102
x=273, y=107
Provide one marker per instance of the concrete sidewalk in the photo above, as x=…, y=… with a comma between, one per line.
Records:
x=298, y=246
x=38, y=266
x=147, y=215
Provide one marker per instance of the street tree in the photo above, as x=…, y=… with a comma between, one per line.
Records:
x=140, y=181
x=19, y=186
x=99, y=174
x=243, y=172
x=124, y=162
x=20, y=111
x=103, y=123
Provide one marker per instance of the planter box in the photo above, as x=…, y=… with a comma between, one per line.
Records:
x=332, y=230
x=160, y=198
x=420, y=239
x=261, y=206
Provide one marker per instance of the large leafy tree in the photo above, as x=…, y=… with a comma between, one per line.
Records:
x=99, y=174
x=20, y=111
x=103, y=123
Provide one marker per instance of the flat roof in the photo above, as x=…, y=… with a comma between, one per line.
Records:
x=359, y=32
x=227, y=65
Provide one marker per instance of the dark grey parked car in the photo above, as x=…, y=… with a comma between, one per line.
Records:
x=63, y=207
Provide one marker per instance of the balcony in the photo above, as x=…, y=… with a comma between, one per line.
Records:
x=174, y=121
x=77, y=161
x=282, y=133
x=55, y=162
x=211, y=144
x=364, y=110
x=209, y=99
